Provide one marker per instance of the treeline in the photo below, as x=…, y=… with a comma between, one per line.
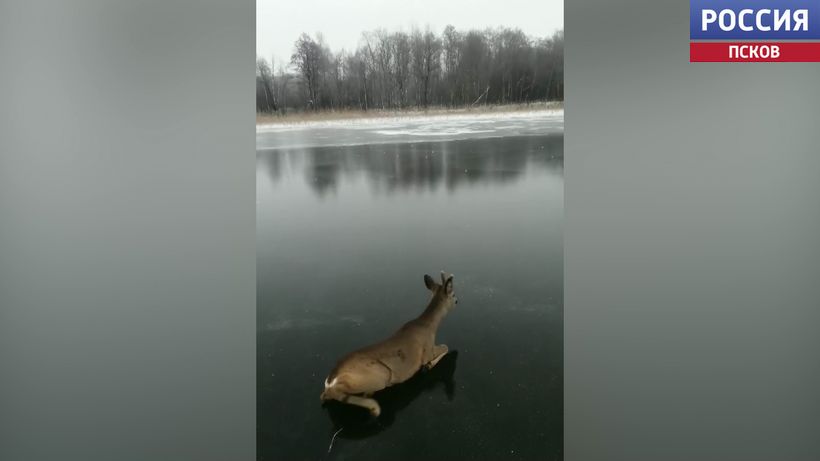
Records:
x=417, y=69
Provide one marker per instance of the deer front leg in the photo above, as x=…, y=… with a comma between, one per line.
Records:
x=334, y=393
x=370, y=404
x=439, y=351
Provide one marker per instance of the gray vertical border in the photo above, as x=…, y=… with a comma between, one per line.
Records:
x=127, y=230
x=692, y=245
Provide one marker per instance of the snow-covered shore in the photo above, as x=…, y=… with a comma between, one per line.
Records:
x=411, y=117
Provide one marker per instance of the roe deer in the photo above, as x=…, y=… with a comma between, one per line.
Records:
x=396, y=359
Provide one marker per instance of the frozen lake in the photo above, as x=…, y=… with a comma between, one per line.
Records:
x=349, y=219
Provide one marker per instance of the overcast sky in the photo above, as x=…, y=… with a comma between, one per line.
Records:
x=280, y=22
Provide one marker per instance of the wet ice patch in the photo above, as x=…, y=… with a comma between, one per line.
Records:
x=307, y=323
x=428, y=132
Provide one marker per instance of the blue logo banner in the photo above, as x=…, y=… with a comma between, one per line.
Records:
x=754, y=19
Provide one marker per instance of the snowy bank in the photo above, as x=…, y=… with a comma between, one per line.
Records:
x=412, y=118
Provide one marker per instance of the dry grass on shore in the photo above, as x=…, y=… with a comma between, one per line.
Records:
x=349, y=114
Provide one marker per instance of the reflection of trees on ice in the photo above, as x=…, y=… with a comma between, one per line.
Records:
x=422, y=165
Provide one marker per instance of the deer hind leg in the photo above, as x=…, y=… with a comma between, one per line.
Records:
x=439, y=351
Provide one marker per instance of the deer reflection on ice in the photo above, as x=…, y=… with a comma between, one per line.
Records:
x=357, y=423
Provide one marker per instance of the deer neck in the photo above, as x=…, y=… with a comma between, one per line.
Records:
x=434, y=313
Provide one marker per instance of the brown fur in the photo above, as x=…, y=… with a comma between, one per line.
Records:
x=396, y=359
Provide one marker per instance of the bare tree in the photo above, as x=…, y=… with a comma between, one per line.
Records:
x=307, y=58
x=401, y=65
x=283, y=88
x=451, y=49
x=426, y=50
x=265, y=99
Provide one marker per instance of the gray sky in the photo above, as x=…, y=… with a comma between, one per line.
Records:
x=280, y=22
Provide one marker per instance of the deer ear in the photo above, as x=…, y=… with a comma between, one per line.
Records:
x=448, y=285
x=443, y=278
x=429, y=283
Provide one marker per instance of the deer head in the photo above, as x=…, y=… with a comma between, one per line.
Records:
x=443, y=292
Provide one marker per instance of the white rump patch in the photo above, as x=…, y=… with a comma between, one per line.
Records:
x=330, y=384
